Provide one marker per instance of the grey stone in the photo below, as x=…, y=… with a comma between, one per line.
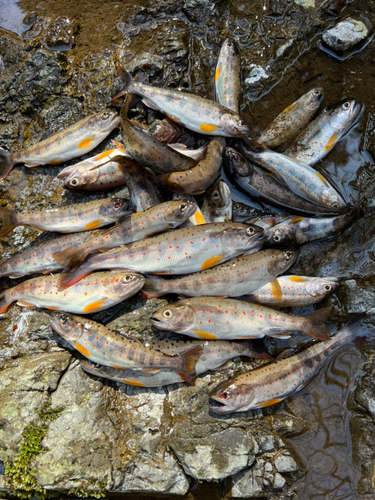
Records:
x=266, y=443
x=347, y=33
x=284, y=463
x=279, y=481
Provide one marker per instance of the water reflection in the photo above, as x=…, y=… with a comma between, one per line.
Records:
x=327, y=448
x=11, y=17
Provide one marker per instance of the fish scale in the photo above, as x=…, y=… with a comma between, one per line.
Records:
x=232, y=279
x=181, y=251
x=228, y=76
x=270, y=384
x=223, y=318
x=94, y=293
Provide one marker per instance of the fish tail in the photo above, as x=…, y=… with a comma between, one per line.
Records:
x=71, y=257
x=71, y=277
x=256, y=349
x=127, y=81
x=314, y=324
x=254, y=146
x=186, y=364
x=8, y=221
x=152, y=288
x=6, y=163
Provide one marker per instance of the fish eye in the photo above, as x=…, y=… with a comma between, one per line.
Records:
x=250, y=231
x=346, y=105
x=335, y=205
x=230, y=44
x=288, y=255
x=74, y=182
x=225, y=394
x=105, y=116
x=117, y=203
x=63, y=319
x=167, y=313
x=327, y=288
x=317, y=92
x=183, y=207
x=276, y=238
x=128, y=278
x=242, y=123
x=215, y=195
x=232, y=156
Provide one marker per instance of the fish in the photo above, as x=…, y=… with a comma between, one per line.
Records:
x=111, y=349
x=228, y=76
x=72, y=142
x=298, y=230
x=199, y=178
x=287, y=125
x=265, y=187
x=197, y=154
x=139, y=225
x=268, y=221
x=39, y=258
x=142, y=184
x=94, y=293
x=142, y=146
x=215, y=356
x=276, y=381
x=242, y=212
x=300, y=178
x=194, y=112
x=197, y=218
x=320, y=136
x=232, y=279
x=294, y=291
x=171, y=132
x=217, y=204
x=180, y=251
x=67, y=218
x=214, y=318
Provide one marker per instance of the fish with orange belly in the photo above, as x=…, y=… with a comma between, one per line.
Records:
x=94, y=293
x=67, y=218
x=110, y=348
x=74, y=141
x=270, y=384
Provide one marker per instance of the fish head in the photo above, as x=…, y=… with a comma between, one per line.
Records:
x=121, y=284
x=66, y=325
x=180, y=211
x=219, y=195
x=80, y=177
x=236, y=162
x=321, y=287
x=231, y=396
x=243, y=239
x=331, y=198
x=179, y=317
x=344, y=115
x=283, y=260
x=229, y=51
x=314, y=97
x=281, y=235
x=231, y=122
x=114, y=209
x=107, y=121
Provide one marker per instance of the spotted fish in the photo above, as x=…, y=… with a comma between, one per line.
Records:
x=94, y=293
x=270, y=384
x=216, y=355
x=292, y=120
x=201, y=177
x=136, y=227
x=232, y=279
x=194, y=112
x=294, y=291
x=75, y=141
x=301, y=178
x=228, y=76
x=318, y=138
x=67, y=218
x=110, y=348
x=226, y=319
x=217, y=204
x=179, y=251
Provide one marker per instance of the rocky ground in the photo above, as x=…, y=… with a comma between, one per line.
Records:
x=61, y=429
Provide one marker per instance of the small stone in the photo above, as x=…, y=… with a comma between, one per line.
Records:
x=278, y=481
x=284, y=463
x=256, y=74
x=347, y=33
x=266, y=443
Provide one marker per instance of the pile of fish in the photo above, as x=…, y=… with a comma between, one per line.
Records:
x=226, y=261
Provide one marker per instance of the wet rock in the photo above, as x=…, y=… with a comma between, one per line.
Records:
x=146, y=62
x=347, y=33
x=285, y=463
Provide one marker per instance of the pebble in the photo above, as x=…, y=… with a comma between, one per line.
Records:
x=347, y=33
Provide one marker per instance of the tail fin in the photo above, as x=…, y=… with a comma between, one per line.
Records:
x=71, y=257
x=152, y=287
x=186, y=364
x=127, y=80
x=70, y=278
x=256, y=349
x=6, y=163
x=314, y=324
x=254, y=146
x=8, y=221
x=4, y=305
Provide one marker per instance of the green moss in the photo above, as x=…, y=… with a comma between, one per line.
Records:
x=20, y=478
x=98, y=491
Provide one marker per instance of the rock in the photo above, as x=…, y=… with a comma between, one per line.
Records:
x=284, y=463
x=347, y=33
x=278, y=481
x=149, y=63
x=257, y=73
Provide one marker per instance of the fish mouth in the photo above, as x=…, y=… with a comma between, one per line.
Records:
x=358, y=109
x=159, y=323
x=66, y=172
x=217, y=406
x=114, y=120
